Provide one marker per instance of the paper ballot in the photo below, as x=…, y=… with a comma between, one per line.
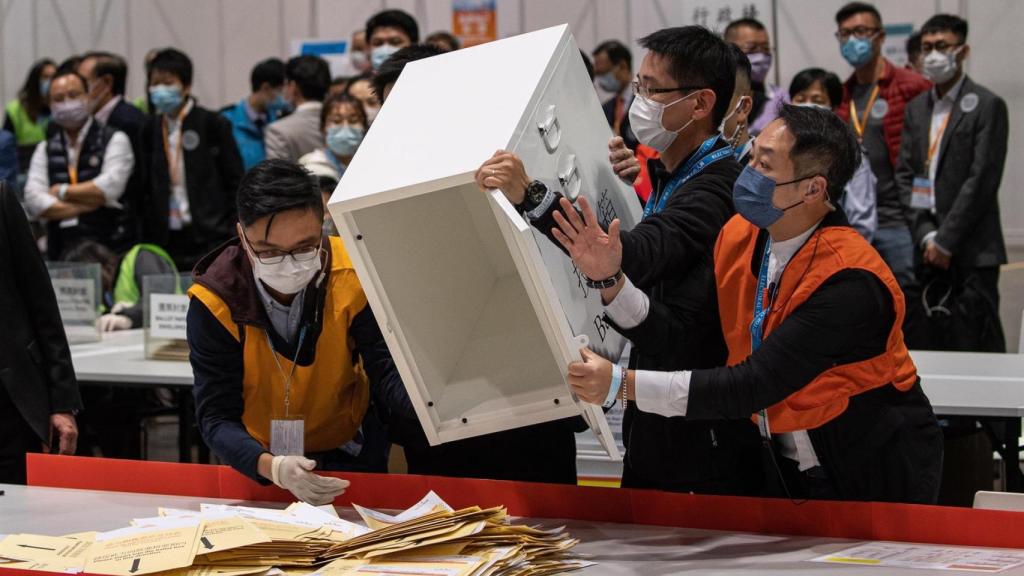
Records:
x=144, y=551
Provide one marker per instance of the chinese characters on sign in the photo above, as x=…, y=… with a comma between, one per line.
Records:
x=167, y=314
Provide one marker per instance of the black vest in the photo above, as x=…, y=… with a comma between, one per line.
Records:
x=104, y=225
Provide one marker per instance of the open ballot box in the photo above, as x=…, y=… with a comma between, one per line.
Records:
x=164, y=311
x=78, y=291
x=481, y=312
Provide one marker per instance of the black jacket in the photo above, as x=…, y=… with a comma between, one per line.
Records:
x=669, y=257
x=972, y=155
x=132, y=122
x=887, y=445
x=35, y=362
x=213, y=170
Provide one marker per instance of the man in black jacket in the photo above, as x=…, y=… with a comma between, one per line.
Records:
x=195, y=166
x=38, y=391
x=686, y=83
x=107, y=75
x=951, y=161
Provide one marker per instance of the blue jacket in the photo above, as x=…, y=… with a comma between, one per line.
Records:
x=8, y=160
x=247, y=136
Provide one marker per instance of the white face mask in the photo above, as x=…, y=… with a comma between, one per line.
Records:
x=288, y=276
x=814, y=105
x=940, y=68
x=736, y=131
x=645, y=120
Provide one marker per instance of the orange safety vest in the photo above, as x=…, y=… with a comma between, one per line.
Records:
x=829, y=250
x=332, y=393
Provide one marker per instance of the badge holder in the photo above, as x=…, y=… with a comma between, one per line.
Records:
x=288, y=435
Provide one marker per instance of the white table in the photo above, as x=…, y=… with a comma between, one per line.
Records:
x=989, y=387
x=120, y=360
x=617, y=548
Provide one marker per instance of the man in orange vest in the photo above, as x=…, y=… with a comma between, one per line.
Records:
x=812, y=319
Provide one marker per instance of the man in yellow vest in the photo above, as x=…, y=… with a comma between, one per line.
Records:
x=812, y=319
x=285, y=349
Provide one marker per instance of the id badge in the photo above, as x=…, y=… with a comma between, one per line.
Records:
x=288, y=436
x=921, y=194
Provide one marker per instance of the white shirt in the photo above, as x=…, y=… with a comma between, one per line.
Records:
x=179, y=193
x=667, y=393
x=942, y=109
x=103, y=114
x=118, y=162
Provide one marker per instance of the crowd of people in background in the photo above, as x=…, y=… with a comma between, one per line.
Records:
x=153, y=185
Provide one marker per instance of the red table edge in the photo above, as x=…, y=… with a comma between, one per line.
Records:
x=853, y=520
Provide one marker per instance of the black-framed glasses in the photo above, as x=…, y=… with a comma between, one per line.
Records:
x=860, y=32
x=646, y=92
x=300, y=254
x=941, y=46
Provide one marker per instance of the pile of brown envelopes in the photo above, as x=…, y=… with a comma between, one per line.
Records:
x=430, y=538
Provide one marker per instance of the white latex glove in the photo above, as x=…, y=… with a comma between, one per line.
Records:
x=294, y=474
x=111, y=322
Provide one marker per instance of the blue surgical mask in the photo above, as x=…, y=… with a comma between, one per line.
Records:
x=44, y=87
x=857, y=51
x=752, y=195
x=381, y=53
x=609, y=83
x=278, y=107
x=343, y=140
x=165, y=98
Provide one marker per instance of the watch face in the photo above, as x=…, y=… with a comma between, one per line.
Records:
x=536, y=191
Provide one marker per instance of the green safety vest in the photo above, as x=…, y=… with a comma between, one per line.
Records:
x=125, y=288
x=26, y=132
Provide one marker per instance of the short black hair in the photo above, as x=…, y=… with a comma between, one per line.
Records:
x=616, y=51
x=69, y=72
x=804, y=79
x=946, y=23
x=588, y=64
x=335, y=99
x=913, y=45
x=824, y=145
x=392, y=67
x=110, y=64
x=446, y=37
x=173, y=62
x=743, y=69
x=275, y=186
x=70, y=63
x=698, y=57
x=742, y=23
x=270, y=71
x=394, y=19
x=311, y=74
x=853, y=8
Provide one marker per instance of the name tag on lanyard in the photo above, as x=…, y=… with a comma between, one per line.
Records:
x=761, y=295
x=287, y=430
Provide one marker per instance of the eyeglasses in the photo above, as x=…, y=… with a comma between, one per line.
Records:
x=300, y=254
x=646, y=92
x=940, y=46
x=860, y=32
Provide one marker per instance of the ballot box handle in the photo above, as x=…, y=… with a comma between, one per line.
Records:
x=569, y=178
x=550, y=129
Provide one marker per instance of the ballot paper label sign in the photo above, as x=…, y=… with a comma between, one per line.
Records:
x=76, y=298
x=167, y=315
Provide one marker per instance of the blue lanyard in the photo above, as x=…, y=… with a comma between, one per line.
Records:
x=757, y=325
x=697, y=163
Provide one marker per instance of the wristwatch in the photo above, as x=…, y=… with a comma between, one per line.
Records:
x=536, y=191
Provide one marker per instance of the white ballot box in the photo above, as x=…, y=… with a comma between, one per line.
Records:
x=78, y=291
x=164, y=311
x=481, y=312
